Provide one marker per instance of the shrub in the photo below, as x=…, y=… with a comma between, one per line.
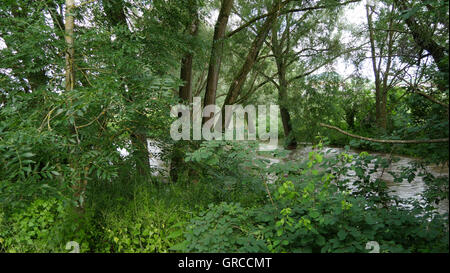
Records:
x=314, y=211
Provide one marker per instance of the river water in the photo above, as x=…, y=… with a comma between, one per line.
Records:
x=404, y=190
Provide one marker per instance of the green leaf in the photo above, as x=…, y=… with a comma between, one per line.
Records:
x=342, y=234
x=28, y=154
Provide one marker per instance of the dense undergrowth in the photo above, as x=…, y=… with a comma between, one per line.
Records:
x=80, y=82
x=308, y=207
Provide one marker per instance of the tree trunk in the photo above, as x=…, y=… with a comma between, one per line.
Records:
x=423, y=37
x=350, y=118
x=392, y=141
x=140, y=154
x=290, y=140
x=382, y=114
x=380, y=86
x=241, y=76
x=70, y=52
x=185, y=91
x=185, y=94
x=216, y=54
x=79, y=186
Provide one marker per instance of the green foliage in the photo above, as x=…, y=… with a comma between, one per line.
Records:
x=138, y=216
x=130, y=236
x=31, y=229
x=62, y=177
x=314, y=212
x=233, y=168
x=222, y=228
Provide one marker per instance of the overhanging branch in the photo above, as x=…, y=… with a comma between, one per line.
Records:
x=392, y=141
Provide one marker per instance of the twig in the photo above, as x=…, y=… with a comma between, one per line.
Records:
x=85, y=3
x=92, y=121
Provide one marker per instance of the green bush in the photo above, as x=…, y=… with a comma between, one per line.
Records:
x=31, y=229
x=309, y=207
x=223, y=228
x=314, y=211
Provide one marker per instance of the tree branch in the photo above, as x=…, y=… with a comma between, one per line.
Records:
x=413, y=141
x=248, y=23
x=430, y=98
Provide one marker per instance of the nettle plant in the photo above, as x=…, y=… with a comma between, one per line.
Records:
x=311, y=208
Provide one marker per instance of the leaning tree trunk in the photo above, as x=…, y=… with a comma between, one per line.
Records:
x=241, y=76
x=216, y=54
x=423, y=37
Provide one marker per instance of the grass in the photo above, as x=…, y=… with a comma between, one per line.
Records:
x=141, y=216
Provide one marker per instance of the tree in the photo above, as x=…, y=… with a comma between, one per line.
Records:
x=297, y=51
x=424, y=34
x=252, y=55
x=185, y=91
x=384, y=46
x=216, y=54
x=281, y=60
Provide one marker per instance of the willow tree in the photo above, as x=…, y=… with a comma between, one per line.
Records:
x=429, y=34
x=401, y=39
x=302, y=42
x=252, y=55
x=216, y=53
x=381, y=49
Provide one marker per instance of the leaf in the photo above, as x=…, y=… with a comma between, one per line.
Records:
x=175, y=234
x=28, y=154
x=59, y=111
x=179, y=247
x=314, y=214
x=279, y=232
x=342, y=234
